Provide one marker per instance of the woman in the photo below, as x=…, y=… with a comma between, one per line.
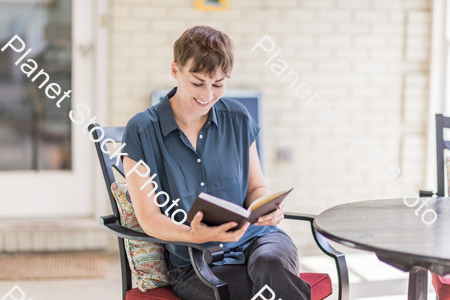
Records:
x=196, y=141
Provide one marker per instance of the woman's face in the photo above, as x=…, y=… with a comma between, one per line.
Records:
x=199, y=92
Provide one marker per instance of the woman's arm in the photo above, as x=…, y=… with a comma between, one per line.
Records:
x=257, y=187
x=158, y=225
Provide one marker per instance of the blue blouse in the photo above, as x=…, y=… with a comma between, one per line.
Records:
x=219, y=166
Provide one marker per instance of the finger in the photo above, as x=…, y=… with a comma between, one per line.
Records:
x=243, y=229
x=265, y=223
x=236, y=235
x=197, y=219
x=268, y=217
x=265, y=218
x=240, y=231
x=277, y=213
x=278, y=220
x=274, y=221
x=225, y=227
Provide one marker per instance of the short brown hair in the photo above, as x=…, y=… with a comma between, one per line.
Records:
x=209, y=49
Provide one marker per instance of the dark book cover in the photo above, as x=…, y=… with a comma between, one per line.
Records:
x=214, y=214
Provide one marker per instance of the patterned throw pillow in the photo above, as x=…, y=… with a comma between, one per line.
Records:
x=147, y=262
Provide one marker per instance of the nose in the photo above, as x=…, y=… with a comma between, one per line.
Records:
x=208, y=95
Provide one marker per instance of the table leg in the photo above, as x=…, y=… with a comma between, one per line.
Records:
x=418, y=284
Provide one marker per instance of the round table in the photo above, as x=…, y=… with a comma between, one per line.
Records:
x=396, y=234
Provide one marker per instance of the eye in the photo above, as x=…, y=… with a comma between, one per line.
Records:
x=216, y=86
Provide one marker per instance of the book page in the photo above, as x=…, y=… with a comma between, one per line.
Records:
x=265, y=199
x=225, y=204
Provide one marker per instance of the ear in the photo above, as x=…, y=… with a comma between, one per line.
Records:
x=174, y=70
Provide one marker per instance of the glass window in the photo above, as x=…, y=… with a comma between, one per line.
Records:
x=34, y=133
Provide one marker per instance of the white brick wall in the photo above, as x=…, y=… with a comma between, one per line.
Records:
x=369, y=57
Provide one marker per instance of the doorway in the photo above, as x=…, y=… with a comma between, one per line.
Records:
x=45, y=161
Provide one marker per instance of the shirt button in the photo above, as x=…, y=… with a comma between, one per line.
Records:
x=202, y=183
x=201, y=136
x=199, y=160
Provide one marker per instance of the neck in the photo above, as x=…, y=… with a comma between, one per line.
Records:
x=182, y=114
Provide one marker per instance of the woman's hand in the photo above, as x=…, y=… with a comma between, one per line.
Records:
x=274, y=218
x=201, y=233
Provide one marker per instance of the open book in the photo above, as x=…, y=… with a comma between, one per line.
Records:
x=217, y=211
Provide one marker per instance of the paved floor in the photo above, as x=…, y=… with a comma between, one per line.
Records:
x=108, y=288
x=370, y=280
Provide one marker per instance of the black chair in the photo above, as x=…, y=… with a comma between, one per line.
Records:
x=200, y=254
x=441, y=284
x=441, y=144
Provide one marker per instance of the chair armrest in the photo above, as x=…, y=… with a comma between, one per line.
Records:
x=205, y=274
x=423, y=193
x=322, y=242
x=211, y=252
x=301, y=217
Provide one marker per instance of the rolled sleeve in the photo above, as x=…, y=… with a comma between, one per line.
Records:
x=132, y=140
x=253, y=130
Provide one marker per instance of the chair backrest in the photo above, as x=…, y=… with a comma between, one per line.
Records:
x=108, y=135
x=112, y=135
x=441, y=144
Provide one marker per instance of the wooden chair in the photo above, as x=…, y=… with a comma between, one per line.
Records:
x=441, y=284
x=200, y=254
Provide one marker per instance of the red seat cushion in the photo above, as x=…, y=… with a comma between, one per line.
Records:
x=320, y=289
x=442, y=286
x=320, y=285
x=162, y=293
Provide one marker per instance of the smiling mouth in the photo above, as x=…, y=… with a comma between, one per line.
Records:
x=201, y=102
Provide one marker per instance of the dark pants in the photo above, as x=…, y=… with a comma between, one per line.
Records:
x=272, y=260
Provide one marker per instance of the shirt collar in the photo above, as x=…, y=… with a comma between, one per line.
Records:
x=212, y=118
x=167, y=119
